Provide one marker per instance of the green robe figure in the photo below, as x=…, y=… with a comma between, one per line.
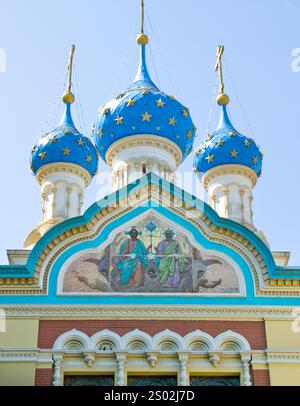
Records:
x=171, y=261
x=132, y=260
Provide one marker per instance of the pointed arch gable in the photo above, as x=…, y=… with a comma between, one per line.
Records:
x=149, y=193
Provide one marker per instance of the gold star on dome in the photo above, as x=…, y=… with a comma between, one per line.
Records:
x=171, y=97
x=119, y=120
x=246, y=143
x=66, y=151
x=100, y=132
x=234, y=154
x=208, y=137
x=80, y=142
x=145, y=91
x=185, y=113
x=189, y=134
x=146, y=117
x=42, y=155
x=160, y=103
x=172, y=121
x=210, y=158
x=67, y=131
x=198, y=151
x=89, y=158
x=53, y=140
x=232, y=133
x=130, y=103
x=255, y=160
x=220, y=143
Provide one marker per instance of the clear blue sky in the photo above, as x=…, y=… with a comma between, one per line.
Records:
x=259, y=36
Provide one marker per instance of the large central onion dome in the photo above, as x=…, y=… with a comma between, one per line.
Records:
x=144, y=110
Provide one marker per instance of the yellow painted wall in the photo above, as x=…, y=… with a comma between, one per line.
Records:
x=20, y=333
x=281, y=337
x=285, y=374
x=17, y=373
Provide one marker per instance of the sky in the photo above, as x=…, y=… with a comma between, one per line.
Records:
x=260, y=37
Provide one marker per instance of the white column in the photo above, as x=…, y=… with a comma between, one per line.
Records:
x=226, y=202
x=44, y=196
x=53, y=202
x=242, y=194
x=69, y=190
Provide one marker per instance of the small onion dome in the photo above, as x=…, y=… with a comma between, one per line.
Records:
x=144, y=110
x=226, y=146
x=65, y=144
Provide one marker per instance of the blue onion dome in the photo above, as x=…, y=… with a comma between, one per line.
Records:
x=226, y=146
x=143, y=109
x=65, y=144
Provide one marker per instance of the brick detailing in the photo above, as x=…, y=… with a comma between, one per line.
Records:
x=253, y=331
x=43, y=377
x=261, y=377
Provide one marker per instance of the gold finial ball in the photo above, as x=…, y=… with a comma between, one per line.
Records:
x=142, y=39
x=222, y=99
x=68, y=98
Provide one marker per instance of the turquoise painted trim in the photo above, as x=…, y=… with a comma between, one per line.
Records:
x=287, y=272
x=53, y=298
x=28, y=270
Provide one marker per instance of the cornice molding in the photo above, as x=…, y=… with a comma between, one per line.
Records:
x=63, y=168
x=229, y=170
x=145, y=140
x=104, y=312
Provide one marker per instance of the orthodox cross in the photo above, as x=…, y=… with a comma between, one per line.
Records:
x=142, y=16
x=218, y=66
x=70, y=68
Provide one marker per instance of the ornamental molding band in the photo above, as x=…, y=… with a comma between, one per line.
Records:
x=228, y=170
x=74, y=169
x=145, y=140
x=149, y=312
x=149, y=196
